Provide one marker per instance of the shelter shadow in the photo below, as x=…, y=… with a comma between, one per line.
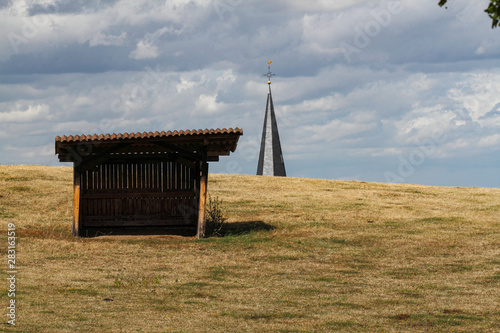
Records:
x=242, y=228
x=139, y=231
x=228, y=229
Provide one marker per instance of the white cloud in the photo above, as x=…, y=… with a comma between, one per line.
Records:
x=145, y=50
x=321, y=5
x=336, y=130
x=83, y=101
x=39, y=154
x=480, y=50
x=490, y=141
x=421, y=122
x=190, y=81
x=72, y=127
x=146, y=47
x=386, y=152
x=478, y=93
x=33, y=113
x=208, y=103
x=103, y=39
x=226, y=80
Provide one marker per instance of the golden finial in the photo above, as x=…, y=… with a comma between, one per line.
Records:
x=269, y=74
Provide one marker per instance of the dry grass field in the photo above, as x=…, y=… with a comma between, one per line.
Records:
x=298, y=255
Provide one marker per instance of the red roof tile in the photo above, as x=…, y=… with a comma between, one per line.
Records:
x=119, y=136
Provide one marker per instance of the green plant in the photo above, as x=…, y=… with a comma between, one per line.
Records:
x=216, y=216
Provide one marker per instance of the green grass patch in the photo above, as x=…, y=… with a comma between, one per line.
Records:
x=441, y=320
x=405, y=273
x=79, y=291
x=410, y=293
x=440, y=220
x=126, y=280
x=412, y=190
x=457, y=268
x=63, y=256
x=5, y=214
x=20, y=188
x=282, y=258
x=48, y=232
x=325, y=279
x=393, y=224
x=349, y=305
x=264, y=315
x=492, y=279
x=342, y=324
x=218, y=273
x=348, y=272
x=195, y=284
x=306, y=291
x=17, y=179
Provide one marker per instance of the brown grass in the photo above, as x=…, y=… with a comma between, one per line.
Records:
x=298, y=255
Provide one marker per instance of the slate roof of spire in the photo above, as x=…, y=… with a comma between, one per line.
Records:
x=271, y=161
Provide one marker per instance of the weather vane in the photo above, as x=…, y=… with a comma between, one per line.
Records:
x=269, y=74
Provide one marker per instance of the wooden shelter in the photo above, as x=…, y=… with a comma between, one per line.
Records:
x=142, y=180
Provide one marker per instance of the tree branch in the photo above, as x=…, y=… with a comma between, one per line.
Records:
x=493, y=11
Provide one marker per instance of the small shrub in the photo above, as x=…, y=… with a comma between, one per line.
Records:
x=216, y=216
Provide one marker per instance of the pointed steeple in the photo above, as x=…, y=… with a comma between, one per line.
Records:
x=271, y=161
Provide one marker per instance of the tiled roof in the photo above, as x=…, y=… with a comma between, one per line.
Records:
x=143, y=135
x=216, y=142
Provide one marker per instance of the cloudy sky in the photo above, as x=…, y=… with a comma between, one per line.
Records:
x=386, y=91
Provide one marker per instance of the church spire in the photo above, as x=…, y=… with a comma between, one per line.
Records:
x=271, y=161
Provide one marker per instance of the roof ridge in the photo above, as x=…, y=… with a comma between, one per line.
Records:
x=156, y=134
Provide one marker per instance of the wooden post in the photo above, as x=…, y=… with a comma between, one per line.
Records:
x=203, y=198
x=76, y=200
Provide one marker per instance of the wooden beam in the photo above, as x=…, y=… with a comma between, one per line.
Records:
x=203, y=197
x=110, y=194
x=104, y=155
x=135, y=221
x=76, y=200
x=182, y=152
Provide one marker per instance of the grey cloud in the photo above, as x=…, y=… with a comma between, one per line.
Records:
x=5, y=4
x=69, y=6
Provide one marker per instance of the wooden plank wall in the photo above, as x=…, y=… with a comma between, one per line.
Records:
x=160, y=193
x=76, y=229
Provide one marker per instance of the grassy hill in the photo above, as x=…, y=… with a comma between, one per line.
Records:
x=309, y=256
